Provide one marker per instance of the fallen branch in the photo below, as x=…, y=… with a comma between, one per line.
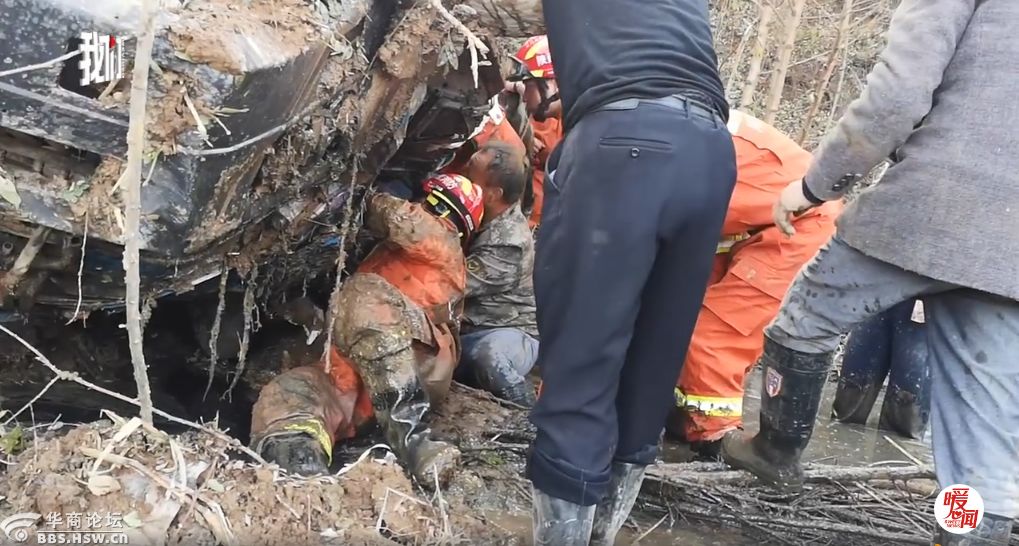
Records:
x=45, y=64
x=132, y=204
x=72, y=376
x=346, y=232
x=81, y=269
x=248, y=308
x=475, y=44
x=214, y=333
x=24, y=260
x=680, y=473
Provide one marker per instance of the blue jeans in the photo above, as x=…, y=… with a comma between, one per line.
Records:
x=890, y=345
x=496, y=359
x=974, y=357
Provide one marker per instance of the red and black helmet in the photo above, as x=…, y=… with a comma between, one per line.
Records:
x=534, y=60
x=453, y=196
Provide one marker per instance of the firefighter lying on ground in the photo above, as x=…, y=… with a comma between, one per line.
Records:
x=500, y=330
x=893, y=345
x=396, y=329
x=753, y=268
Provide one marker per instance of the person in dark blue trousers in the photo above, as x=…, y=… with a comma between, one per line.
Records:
x=635, y=197
x=893, y=345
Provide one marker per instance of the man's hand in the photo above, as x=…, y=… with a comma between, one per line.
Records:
x=514, y=87
x=791, y=201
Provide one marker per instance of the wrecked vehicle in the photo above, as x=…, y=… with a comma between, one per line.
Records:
x=262, y=117
x=266, y=122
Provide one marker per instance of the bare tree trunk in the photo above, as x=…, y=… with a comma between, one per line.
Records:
x=737, y=60
x=757, y=57
x=132, y=203
x=841, y=39
x=785, y=55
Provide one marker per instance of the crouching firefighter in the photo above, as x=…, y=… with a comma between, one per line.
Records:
x=754, y=266
x=397, y=327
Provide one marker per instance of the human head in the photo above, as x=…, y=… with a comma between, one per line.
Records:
x=501, y=171
x=535, y=73
x=454, y=197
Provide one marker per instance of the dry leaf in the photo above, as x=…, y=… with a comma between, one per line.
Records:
x=101, y=484
x=133, y=520
x=214, y=485
x=8, y=191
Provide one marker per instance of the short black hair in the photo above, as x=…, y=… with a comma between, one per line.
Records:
x=508, y=169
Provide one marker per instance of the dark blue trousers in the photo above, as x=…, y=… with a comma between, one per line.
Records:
x=888, y=345
x=630, y=224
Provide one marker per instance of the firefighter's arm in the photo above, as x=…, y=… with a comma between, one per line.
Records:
x=922, y=40
x=492, y=269
x=400, y=222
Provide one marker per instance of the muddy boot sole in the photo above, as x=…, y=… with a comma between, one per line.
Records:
x=739, y=452
x=435, y=464
x=296, y=453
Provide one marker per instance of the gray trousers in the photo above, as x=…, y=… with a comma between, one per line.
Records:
x=974, y=356
x=496, y=359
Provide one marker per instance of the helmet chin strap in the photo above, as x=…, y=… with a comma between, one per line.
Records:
x=541, y=112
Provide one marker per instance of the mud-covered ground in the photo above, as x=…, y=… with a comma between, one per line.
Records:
x=218, y=497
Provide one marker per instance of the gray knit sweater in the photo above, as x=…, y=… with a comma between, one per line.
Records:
x=944, y=96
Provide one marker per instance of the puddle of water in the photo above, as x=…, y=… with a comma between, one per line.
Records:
x=520, y=526
x=833, y=442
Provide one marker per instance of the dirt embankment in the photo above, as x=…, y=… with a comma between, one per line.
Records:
x=189, y=489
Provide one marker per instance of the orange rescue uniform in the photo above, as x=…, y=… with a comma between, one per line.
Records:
x=548, y=133
x=393, y=324
x=494, y=126
x=754, y=266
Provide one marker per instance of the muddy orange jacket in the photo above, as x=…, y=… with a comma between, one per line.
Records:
x=548, y=133
x=768, y=160
x=494, y=126
x=420, y=255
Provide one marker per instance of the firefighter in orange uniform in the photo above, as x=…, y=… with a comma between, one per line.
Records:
x=396, y=336
x=754, y=266
x=535, y=81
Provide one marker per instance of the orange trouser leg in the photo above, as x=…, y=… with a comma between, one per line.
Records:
x=729, y=336
x=329, y=406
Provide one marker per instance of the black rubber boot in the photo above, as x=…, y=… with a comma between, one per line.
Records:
x=558, y=522
x=790, y=397
x=295, y=452
x=854, y=401
x=992, y=531
x=402, y=420
x=902, y=413
x=615, y=508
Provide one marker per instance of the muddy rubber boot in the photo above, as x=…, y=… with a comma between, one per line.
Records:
x=790, y=396
x=615, y=507
x=902, y=413
x=521, y=393
x=993, y=531
x=853, y=401
x=295, y=452
x=410, y=438
x=558, y=522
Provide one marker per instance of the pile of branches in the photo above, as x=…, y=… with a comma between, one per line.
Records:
x=839, y=504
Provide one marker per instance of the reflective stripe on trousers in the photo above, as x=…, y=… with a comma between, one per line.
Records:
x=711, y=406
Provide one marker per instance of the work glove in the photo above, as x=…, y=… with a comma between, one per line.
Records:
x=791, y=202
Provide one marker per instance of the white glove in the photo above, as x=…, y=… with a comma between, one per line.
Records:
x=791, y=201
